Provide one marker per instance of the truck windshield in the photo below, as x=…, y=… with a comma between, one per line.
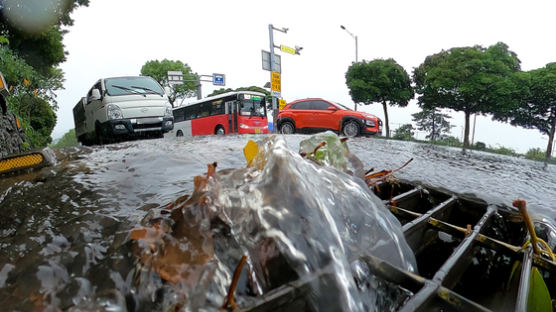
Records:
x=132, y=85
x=252, y=105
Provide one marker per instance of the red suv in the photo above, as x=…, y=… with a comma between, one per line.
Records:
x=315, y=115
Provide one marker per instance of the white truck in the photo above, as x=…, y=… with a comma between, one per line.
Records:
x=121, y=108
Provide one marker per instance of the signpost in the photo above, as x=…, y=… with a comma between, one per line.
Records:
x=272, y=63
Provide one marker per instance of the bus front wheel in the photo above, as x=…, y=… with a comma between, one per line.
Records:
x=179, y=133
x=219, y=130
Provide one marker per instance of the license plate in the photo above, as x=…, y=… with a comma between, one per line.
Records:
x=257, y=130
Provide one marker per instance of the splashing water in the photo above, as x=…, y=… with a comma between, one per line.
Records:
x=314, y=215
x=64, y=231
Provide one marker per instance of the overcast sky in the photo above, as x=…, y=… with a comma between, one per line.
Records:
x=115, y=38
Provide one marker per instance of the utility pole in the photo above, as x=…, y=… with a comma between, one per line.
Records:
x=273, y=69
x=275, y=73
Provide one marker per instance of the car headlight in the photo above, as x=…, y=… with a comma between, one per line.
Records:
x=114, y=112
x=370, y=123
x=168, y=112
x=243, y=126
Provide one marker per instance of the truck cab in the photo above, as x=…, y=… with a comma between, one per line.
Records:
x=121, y=108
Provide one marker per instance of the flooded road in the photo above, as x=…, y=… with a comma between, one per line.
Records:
x=64, y=231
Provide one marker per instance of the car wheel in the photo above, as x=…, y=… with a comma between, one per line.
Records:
x=219, y=131
x=179, y=133
x=351, y=128
x=287, y=128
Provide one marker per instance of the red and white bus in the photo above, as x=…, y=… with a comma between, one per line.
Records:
x=231, y=112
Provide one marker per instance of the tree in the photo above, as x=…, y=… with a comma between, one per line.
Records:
x=382, y=81
x=31, y=49
x=433, y=122
x=35, y=32
x=159, y=71
x=404, y=132
x=69, y=139
x=539, y=110
x=473, y=80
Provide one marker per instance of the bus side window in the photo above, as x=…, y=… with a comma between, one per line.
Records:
x=204, y=110
x=179, y=115
x=190, y=113
x=217, y=109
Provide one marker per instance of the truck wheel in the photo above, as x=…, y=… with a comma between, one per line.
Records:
x=287, y=128
x=179, y=133
x=100, y=140
x=351, y=128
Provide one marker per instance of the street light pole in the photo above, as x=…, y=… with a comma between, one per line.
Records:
x=356, y=48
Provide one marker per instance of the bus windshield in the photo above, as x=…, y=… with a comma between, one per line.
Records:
x=252, y=105
x=132, y=85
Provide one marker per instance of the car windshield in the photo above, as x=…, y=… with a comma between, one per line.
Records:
x=341, y=106
x=252, y=106
x=132, y=85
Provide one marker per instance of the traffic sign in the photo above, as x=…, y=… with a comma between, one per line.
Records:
x=286, y=49
x=266, y=61
x=175, y=77
x=281, y=104
x=275, y=83
x=219, y=79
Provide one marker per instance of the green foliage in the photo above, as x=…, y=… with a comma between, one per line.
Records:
x=502, y=151
x=449, y=141
x=38, y=119
x=473, y=80
x=480, y=146
x=29, y=58
x=382, y=81
x=433, y=122
x=539, y=111
x=535, y=154
x=159, y=71
x=40, y=46
x=404, y=132
x=539, y=297
x=69, y=139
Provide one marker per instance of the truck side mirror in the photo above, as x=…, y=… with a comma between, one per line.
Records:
x=95, y=95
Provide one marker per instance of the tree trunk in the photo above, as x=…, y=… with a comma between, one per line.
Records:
x=466, y=132
x=386, y=124
x=550, y=141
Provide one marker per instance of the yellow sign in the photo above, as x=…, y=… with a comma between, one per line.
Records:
x=287, y=49
x=281, y=104
x=275, y=84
